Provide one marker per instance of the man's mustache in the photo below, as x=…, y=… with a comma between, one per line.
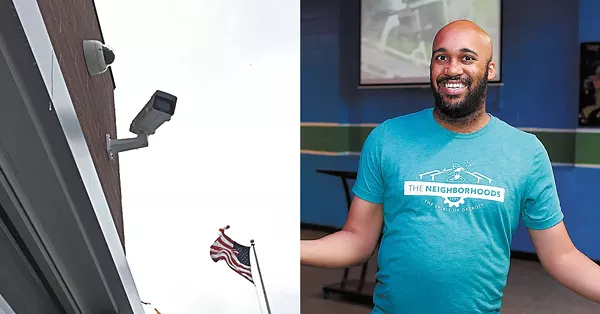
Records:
x=442, y=80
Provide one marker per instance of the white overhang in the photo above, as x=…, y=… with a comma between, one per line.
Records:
x=50, y=189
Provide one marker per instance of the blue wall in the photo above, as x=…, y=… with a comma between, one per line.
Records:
x=540, y=71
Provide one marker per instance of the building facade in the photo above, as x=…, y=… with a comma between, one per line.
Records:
x=61, y=225
x=69, y=23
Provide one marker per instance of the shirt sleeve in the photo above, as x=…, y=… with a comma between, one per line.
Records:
x=541, y=207
x=369, y=184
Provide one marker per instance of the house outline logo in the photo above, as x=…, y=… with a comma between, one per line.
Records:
x=454, y=185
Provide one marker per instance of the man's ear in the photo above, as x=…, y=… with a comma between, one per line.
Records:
x=491, y=71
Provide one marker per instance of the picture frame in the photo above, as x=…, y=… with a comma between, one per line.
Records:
x=589, y=85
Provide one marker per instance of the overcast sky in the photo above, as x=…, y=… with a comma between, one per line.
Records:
x=229, y=156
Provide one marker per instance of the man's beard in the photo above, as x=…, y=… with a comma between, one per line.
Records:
x=473, y=101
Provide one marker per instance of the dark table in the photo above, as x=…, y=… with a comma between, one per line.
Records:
x=360, y=291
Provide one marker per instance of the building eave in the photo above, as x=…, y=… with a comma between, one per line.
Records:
x=51, y=190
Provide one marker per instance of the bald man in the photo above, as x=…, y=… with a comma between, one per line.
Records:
x=446, y=187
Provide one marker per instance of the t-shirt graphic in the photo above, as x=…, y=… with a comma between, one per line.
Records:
x=454, y=185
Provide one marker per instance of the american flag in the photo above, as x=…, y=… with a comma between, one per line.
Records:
x=236, y=256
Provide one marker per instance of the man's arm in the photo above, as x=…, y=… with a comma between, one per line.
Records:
x=543, y=217
x=565, y=263
x=358, y=238
x=352, y=245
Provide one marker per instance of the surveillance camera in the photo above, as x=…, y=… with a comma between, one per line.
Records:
x=157, y=111
x=98, y=56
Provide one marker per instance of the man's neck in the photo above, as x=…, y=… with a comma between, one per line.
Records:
x=469, y=124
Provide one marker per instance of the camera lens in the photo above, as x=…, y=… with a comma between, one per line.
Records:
x=109, y=55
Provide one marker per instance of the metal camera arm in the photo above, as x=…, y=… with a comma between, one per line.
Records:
x=120, y=145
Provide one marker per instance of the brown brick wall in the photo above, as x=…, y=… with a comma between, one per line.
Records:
x=69, y=22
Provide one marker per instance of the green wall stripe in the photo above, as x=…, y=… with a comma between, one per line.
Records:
x=588, y=148
x=334, y=139
x=563, y=147
x=319, y=138
x=560, y=146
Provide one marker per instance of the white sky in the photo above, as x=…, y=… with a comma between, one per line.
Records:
x=230, y=154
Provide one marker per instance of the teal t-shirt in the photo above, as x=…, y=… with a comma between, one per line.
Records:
x=451, y=203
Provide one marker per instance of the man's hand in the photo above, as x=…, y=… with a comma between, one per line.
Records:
x=350, y=246
x=565, y=263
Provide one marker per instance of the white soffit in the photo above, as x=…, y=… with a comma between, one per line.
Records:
x=41, y=46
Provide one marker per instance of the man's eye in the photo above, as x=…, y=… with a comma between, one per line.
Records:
x=441, y=57
x=469, y=58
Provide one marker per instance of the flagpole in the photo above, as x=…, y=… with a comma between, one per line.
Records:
x=258, y=298
x=260, y=275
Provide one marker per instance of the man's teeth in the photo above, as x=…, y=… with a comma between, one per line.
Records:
x=455, y=85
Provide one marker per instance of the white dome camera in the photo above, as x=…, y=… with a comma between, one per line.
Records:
x=98, y=56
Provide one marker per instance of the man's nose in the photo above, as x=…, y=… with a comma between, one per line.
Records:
x=453, y=69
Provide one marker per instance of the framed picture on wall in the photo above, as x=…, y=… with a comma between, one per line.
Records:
x=589, y=85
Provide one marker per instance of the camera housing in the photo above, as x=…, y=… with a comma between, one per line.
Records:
x=158, y=110
x=98, y=56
